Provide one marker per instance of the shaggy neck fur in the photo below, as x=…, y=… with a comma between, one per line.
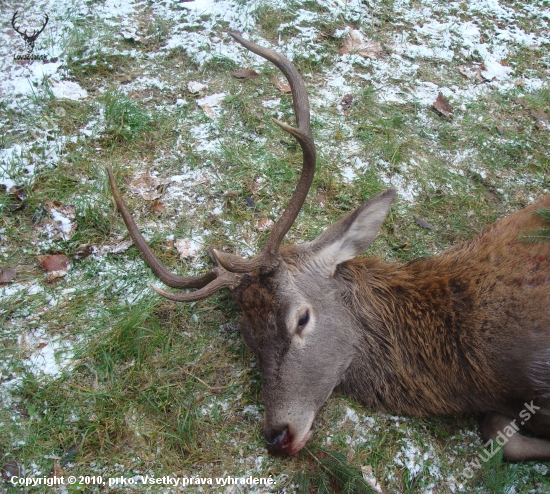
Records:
x=440, y=336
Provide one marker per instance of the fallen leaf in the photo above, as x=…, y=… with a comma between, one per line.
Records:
x=404, y=246
x=369, y=478
x=355, y=43
x=541, y=119
x=12, y=208
x=500, y=129
x=492, y=71
x=7, y=275
x=186, y=248
x=41, y=345
x=116, y=248
x=245, y=74
x=18, y=192
x=62, y=222
x=129, y=34
x=54, y=275
x=285, y=88
x=147, y=186
x=474, y=75
x=69, y=456
x=493, y=194
x=83, y=251
x=423, y=223
x=346, y=101
x=158, y=206
x=208, y=103
x=54, y=262
x=196, y=88
x=11, y=469
x=265, y=224
x=442, y=105
x=321, y=199
x=522, y=102
x=57, y=471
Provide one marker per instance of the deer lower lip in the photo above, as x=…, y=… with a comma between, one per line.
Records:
x=294, y=449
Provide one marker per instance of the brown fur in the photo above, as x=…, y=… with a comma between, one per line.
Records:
x=461, y=332
x=467, y=331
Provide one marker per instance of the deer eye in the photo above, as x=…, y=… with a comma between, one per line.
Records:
x=303, y=321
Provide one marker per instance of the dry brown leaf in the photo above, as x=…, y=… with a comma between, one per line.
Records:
x=62, y=223
x=11, y=469
x=147, y=186
x=285, y=88
x=542, y=121
x=83, y=251
x=474, y=74
x=54, y=275
x=245, y=74
x=355, y=43
x=117, y=247
x=18, y=192
x=265, y=224
x=7, y=275
x=346, y=101
x=423, y=223
x=208, y=103
x=158, y=206
x=442, y=105
x=54, y=262
x=186, y=248
x=57, y=471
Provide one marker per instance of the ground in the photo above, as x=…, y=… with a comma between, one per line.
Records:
x=99, y=376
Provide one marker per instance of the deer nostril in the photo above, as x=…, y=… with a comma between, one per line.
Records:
x=278, y=441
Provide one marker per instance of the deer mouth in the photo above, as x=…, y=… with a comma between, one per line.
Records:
x=297, y=447
x=285, y=443
x=288, y=441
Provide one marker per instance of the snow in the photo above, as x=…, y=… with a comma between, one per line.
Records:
x=480, y=35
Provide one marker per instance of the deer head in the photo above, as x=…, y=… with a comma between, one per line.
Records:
x=294, y=319
x=30, y=39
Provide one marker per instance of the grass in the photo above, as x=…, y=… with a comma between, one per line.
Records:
x=161, y=388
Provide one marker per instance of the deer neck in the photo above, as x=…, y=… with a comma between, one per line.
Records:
x=413, y=357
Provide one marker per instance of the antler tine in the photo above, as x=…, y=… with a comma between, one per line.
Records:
x=225, y=279
x=158, y=268
x=267, y=258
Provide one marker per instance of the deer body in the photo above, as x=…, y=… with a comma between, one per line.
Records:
x=467, y=331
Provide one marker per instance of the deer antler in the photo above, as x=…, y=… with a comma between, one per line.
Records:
x=228, y=267
x=208, y=283
x=267, y=258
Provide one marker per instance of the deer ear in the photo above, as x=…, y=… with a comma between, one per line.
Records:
x=353, y=234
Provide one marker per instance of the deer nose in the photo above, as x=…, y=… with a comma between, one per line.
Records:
x=278, y=441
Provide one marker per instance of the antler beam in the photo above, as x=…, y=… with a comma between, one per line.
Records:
x=152, y=261
x=228, y=267
x=268, y=257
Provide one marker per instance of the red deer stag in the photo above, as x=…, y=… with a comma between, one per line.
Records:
x=467, y=331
